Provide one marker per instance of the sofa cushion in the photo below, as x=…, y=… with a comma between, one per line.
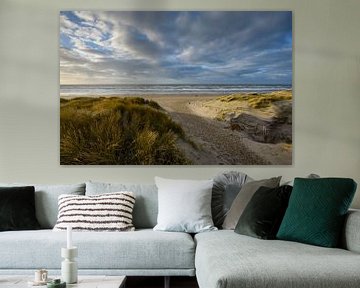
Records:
x=263, y=215
x=105, y=212
x=46, y=200
x=142, y=249
x=225, y=259
x=243, y=198
x=184, y=205
x=17, y=208
x=226, y=187
x=146, y=205
x=317, y=209
x=350, y=239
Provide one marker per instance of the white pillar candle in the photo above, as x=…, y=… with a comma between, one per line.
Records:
x=69, y=237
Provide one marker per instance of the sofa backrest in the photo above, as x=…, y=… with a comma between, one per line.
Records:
x=146, y=203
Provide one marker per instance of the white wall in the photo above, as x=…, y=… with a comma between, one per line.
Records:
x=326, y=90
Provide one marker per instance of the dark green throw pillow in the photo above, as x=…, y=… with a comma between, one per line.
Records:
x=316, y=211
x=263, y=214
x=17, y=208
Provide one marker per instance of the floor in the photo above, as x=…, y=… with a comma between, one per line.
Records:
x=158, y=282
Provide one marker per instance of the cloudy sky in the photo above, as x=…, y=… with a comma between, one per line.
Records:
x=175, y=47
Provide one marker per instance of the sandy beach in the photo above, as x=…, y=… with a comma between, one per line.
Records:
x=216, y=143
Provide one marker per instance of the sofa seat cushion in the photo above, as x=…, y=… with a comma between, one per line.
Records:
x=142, y=249
x=226, y=259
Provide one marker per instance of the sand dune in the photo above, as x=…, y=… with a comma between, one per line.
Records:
x=216, y=143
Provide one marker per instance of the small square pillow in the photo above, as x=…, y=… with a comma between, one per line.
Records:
x=263, y=215
x=184, y=205
x=316, y=211
x=243, y=198
x=105, y=212
x=17, y=209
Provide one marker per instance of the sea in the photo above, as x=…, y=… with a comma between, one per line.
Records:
x=166, y=89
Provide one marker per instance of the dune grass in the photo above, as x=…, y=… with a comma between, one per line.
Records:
x=258, y=101
x=117, y=131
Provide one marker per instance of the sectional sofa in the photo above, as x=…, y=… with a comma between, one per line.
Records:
x=219, y=259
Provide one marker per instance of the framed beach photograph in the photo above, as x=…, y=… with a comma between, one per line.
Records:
x=175, y=87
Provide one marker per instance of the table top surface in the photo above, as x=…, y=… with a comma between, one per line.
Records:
x=84, y=281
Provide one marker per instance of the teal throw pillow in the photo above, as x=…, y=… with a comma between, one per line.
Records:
x=316, y=211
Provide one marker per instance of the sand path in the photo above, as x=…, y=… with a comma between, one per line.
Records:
x=216, y=144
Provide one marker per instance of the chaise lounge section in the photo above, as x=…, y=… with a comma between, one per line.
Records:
x=225, y=259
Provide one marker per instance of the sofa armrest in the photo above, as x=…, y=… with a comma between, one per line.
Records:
x=351, y=234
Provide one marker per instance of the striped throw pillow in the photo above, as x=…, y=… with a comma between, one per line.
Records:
x=105, y=212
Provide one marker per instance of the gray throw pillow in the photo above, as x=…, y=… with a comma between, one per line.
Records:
x=184, y=205
x=242, y=199
x=226, y=187
x=46, y=200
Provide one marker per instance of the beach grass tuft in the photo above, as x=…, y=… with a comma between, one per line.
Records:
x=257, y=100
x=117, y=131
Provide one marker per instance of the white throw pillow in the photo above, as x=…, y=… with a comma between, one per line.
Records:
x=105, y=212
x=184, y=205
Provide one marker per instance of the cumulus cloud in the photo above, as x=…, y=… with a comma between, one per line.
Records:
x=175, y=47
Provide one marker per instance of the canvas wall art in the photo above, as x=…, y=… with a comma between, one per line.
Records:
x=175, y=88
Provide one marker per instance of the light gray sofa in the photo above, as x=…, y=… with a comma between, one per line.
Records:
x=220, y=259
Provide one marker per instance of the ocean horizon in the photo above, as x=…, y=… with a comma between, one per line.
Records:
x=167, y=89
